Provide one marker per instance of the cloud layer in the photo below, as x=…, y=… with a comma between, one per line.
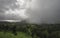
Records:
x=13, y=9
x=45, y=11
x=39, y=11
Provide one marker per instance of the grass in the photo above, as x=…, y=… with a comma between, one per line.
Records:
x=10, y=35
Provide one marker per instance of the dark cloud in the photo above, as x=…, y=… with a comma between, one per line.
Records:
x=45, y=11
x=40, y=11
x=12, y=8
x=4, y=6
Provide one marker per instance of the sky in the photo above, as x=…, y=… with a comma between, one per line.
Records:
x=34, y=11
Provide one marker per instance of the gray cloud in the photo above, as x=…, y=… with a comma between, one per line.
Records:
x=11, y=7
x=40, y=11
x=45, y=11
x=4, y=6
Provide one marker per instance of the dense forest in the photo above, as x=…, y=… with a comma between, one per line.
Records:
x=31, y=30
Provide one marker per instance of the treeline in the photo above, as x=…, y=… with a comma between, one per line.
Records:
x=34, y=30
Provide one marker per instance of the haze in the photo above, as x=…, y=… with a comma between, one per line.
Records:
x=34, y=11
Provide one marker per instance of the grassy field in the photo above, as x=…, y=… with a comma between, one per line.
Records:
x=10, y=35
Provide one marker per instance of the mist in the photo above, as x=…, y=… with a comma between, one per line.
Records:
x=36, y=11
x=45, y=11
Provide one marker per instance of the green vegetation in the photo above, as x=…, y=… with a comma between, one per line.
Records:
x=10, y=35
x=26, y=30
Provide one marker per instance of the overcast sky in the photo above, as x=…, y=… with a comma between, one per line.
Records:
x=35, y=11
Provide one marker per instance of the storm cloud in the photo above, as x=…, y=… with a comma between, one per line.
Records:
x=13, y=9
x=5, y=5
x=45, y=11
x=39, y=11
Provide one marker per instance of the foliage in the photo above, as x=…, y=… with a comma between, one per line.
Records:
x=33, y=30
x=10, y=35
